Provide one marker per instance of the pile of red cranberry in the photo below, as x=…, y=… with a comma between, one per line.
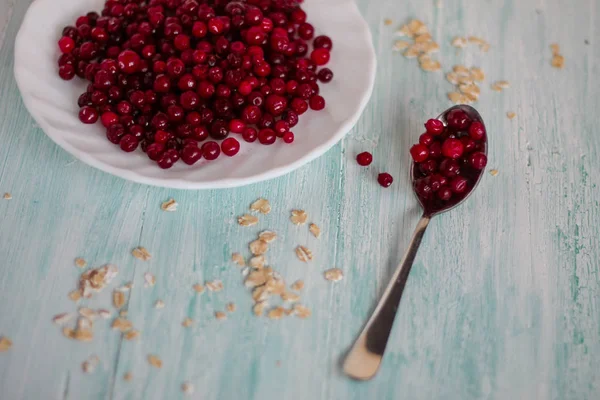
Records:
x=448, y=159
x=168, y=74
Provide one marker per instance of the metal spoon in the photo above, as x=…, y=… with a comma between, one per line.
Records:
x=363, y=360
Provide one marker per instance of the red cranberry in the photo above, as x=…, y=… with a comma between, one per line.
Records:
x=168, y=158
x=444, y=193
x=468, y=143
x=423, y=188
x=306, y=31
x=449, y=168
x=458, y=184
x=267, y=136
x=128, y=143
x=200, y=133
x=88, y=115
x=385, y=179
x=452, y=148
x=250, y=135
x=325, y=75
x=230, y=147
x=419, y=152
x=288, y=137
x=109, y=119
x=189, y=100
x=426, y=139
x=66, y=72
x=115, y=132
x=191, y=154
x=477, y=130
x=435, y=150
x=434, y=126
x=428, y=167
x=323, y=42
x=458, y=119
x=219, y=129
x=175, y=67
x=365, y=158
x=478, y=160
x=129, y=61
x=237, y=126
x=320, y=56
x=275, y=104
x=251, y=115
x=281, y=127
x=317, y=103
x=210, y=150
x=66, y=44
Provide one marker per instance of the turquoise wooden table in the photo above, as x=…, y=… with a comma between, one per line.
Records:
x=503, y=301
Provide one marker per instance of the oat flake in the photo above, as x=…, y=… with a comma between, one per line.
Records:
x=128, y=376
x=155, y=361
x=118, y=299
x=149, y=280
x=257, y=262
x=187, y=388
x=493, y=172
x=276, y=313
x=267, y=236
x=334, y=274
x=259, y=247
x=198, y=288
x=247, y=220
x=511, y=115
x=259, y=308
x=75, y=295
x=121, y=324
x=187, y=322
x=220, y=315
x=387, y=21
x=80, y=262
x=238, y=259
x=159, y=304
x=7, y=196
x=89, y=365
x=214, y=286
x=261, y=205
x=290, y=297
x=169, y=205
x=5, y=343
x=62, y=318
x=231, y=307
x=298, y=217
x=301, y=311
x=141, y=253
x=105, y=314
x=131, y=335
x=304, y=254
x=459, y=42
x=315, y=230
x=298, y=285
x=87, y=312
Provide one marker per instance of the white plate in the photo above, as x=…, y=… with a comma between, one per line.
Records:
x=53, y=102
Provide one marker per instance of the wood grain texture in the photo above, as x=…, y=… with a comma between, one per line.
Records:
x=503, y=301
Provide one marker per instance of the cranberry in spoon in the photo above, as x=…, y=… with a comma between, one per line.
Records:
x=448, y=163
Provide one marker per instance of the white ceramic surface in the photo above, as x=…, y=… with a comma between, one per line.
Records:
x=53, y=102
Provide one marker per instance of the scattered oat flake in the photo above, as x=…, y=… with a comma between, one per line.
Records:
x=298, y=217
x=238, y=259
x=261, y=205
x=220, y=315
x=149, y=280
x=387, y=21
x=258, y=277
x=62, y=318
x=555, y=48
x=459, y=42
x=276, y=313
x=7, y=196
x=131, y=335
x=231, y=307
x=80, y=262
x=257, y=262
x=259, y=247
x=187, y=388
x=247, y=220
x=5, y=343
x=267, y=236
x=198, y=288
x=141, y=253
x=477, y=74
x=75, y=295
x=430, y=65
x=89, y=365
x=461, y=70
x=400, y=45
x=159, y=304
x=298, y=285
x=104, y=313
x=315, y=230
x=301, y=311
x=169, y=205
x=155, y=361
x=118, y=299
x=259, y=308
x=121, y=324
x=334, y=274
x=87, y=312
x=94, y=280
x=82, y=335
x=214, y=286
x=290, y=297
x=558, y=61
x=511, y=115
x=187, y=322
x=493, y=172
x=128, y=376
x=304, y=254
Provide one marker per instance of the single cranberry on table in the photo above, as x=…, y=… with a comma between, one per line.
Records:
x=385, y=179
x=365, y=158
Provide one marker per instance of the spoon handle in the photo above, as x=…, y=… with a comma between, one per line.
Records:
x=363, y=360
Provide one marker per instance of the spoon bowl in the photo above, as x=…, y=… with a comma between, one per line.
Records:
x=364, y=358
